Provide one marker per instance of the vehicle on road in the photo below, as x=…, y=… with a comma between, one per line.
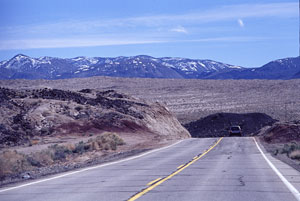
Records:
x=235, y=131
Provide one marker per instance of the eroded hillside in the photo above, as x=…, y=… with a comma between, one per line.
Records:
x=26, y=114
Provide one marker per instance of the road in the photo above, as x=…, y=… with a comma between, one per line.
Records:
x=209, y=169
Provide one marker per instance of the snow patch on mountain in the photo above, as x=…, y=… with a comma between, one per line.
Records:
x=22, y=66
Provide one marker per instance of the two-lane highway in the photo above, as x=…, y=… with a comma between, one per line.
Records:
x=209, y=169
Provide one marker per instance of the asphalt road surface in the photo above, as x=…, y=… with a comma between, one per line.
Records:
x=211, y=169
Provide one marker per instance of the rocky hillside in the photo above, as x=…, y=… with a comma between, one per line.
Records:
x=25, y=114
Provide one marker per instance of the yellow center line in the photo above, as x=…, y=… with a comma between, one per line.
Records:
x=155, y=184
x=180, y=166
x=152, y=182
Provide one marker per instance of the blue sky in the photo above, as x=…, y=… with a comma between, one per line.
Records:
x=241, y=32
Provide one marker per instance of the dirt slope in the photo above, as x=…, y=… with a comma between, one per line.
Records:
x=25, y=114
x=282, y=133
x=282, y=140
x=217, y=125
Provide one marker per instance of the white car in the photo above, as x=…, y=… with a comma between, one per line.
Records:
x=235, y=131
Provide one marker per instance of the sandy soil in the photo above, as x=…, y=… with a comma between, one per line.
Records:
x=192, y=99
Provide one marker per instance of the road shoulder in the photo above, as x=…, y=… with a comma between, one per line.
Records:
x=291, y=174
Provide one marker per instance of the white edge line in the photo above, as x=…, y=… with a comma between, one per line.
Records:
x=294, y=191
x=89, y=168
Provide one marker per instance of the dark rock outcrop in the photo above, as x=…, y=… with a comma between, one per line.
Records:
x=217, y=125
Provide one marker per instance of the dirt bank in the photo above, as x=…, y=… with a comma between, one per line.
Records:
x=282, y=140
x=46, y=131
x=217, y=125
x=27, y=114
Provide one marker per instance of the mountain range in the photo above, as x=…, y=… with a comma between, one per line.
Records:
x=142, y=66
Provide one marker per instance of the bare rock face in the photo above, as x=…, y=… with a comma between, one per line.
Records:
x=25, y=114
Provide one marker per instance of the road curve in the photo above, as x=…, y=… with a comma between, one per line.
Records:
x=207, y=169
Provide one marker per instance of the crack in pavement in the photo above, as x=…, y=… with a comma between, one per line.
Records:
x=242, y=182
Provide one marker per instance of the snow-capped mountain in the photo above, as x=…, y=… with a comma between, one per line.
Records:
x=288, y=68
x=143, y=66
x=22, y=66
x=280, y=69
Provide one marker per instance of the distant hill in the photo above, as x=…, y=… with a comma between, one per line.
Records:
x=142, y=66
x=287, y=68
x=297, y=75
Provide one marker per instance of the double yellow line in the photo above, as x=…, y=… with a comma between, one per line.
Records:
x=159, y=181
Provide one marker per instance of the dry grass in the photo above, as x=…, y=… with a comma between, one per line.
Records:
x=14, y=163
x=41, y=158
x=34, y=142
x=106, y=141
x=295, y=155
x=292, y=150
